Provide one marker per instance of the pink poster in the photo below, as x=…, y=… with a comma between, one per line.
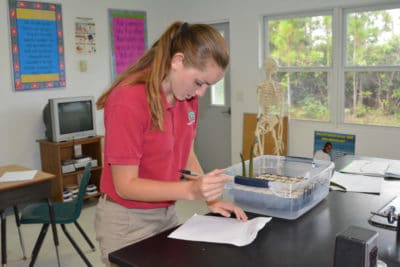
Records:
x=129, y=39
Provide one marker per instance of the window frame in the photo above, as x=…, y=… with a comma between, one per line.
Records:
x=336, y=72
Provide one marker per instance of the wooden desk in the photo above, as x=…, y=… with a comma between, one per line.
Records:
x=307, y=241
x=15, y=193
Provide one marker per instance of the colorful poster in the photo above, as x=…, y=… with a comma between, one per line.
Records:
x=331, y=146
x=128, y=38
x=85, y=36
x=37, y=45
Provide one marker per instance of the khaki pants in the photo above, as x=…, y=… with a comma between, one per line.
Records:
x=117, y=226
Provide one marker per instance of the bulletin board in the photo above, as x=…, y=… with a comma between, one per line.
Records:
x=128, y=38
x=37, y=45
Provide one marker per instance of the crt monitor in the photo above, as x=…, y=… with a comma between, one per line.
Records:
x=69, y=118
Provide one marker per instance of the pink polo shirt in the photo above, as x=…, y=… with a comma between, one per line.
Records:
x=130, y=140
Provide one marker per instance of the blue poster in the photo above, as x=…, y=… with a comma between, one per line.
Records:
x=331, y=146
x=38, y=48
x=37, y=45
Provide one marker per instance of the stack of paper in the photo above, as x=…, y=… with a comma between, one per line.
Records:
x=367, y=167
x=358, y=183
x=393, y=171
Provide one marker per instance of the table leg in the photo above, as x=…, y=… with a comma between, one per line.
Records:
x=54, y=229
x=3, y=239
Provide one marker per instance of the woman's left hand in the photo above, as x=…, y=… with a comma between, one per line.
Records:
x=226, y=208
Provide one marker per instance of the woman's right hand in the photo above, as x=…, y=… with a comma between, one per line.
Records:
x=209, y=186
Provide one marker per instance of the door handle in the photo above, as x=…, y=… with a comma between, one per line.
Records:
x=228, y=111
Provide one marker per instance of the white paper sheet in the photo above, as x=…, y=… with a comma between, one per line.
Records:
x=220, y=230
x=367, y=167
x=18, y=176
x=358, y=183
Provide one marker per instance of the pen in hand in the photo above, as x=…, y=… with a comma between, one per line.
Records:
x=189, y=174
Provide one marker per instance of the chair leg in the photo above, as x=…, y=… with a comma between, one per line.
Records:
x=38, y=243
x=17, y=222
x=54, y=229
x=3, y=238
x=76, y=246
x=85, y=236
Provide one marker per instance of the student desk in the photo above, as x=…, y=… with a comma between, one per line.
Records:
x=15, y=193
x=306, y=241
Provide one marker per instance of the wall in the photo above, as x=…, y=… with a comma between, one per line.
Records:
x=244, y=18
x=20, y=112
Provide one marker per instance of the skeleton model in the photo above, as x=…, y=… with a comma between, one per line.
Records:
x=270, y=110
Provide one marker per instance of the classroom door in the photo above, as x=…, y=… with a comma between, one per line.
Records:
x=213, y=141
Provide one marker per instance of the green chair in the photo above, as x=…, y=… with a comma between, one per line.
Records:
x=65, y=213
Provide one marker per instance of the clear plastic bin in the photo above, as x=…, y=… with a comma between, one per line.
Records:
x=289, y=199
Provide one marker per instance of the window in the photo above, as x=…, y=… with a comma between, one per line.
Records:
x=303, y=47
x=349, y=73
x=372, y=68
x=218, y=89
x=218, y=93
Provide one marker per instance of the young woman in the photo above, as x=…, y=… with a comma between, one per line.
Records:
x=150, y=117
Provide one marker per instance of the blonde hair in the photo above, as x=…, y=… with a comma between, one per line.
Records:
x=198, y=43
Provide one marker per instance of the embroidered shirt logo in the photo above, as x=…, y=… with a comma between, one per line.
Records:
x=191, y=117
